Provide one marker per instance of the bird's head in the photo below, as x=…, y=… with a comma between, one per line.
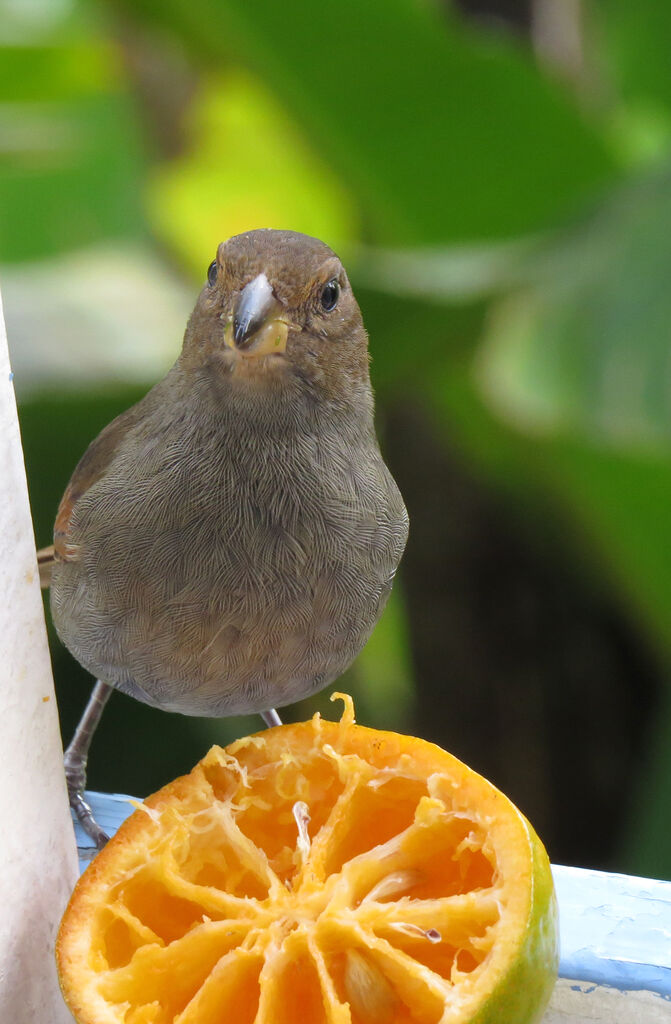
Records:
x=278, y=311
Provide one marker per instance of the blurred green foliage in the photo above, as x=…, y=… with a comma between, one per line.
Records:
x=506, y=213
x=441, y=134
x=203, y=195
x=70, y=153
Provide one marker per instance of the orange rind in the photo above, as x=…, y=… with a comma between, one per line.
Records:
x=324, y=872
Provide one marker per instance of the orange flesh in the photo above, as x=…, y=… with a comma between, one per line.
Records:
x=313, y=872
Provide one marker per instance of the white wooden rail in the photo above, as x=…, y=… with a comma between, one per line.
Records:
x=615, y=939
x=38, y=862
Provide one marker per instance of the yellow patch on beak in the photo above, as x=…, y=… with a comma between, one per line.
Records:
x=270, y=339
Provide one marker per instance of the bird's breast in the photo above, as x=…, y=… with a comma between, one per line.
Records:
x=228, y=566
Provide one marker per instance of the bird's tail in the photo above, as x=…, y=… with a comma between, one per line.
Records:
x=45, y=563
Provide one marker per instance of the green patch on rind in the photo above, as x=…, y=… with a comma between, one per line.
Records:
x=522, y=995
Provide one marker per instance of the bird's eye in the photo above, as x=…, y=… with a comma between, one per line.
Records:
x=330, y=295
x=212, y=274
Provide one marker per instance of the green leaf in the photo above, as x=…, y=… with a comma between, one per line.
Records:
x=70, y=155
x=440, y=133
x=204, y=196
x=55, y=73
x=586, y=349
x=637, y=42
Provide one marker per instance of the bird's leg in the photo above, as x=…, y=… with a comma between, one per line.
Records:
x=271, y=718
x=76, y=756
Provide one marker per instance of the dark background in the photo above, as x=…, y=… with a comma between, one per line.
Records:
x=497, y=177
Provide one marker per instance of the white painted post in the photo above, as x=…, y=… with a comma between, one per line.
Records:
x=38, y=864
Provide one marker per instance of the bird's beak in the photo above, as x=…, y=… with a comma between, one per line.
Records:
x=257, y=327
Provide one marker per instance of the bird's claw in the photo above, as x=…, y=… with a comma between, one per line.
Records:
x=75, y=775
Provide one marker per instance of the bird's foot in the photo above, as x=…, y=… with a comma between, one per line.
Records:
x=75, y=774
x=271, y=718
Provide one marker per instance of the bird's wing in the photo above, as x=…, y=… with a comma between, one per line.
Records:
x=91, y=467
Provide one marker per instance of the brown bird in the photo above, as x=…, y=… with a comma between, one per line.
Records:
x=228, y=544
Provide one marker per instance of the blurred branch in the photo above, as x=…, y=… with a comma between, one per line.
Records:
x=164, y=81
x=557, y=34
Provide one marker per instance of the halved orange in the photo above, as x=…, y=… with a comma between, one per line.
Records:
x=322, y=872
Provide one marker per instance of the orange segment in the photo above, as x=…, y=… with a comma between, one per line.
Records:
x=319, y=871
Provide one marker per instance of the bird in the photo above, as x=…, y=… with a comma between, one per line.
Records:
x=227, y=544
